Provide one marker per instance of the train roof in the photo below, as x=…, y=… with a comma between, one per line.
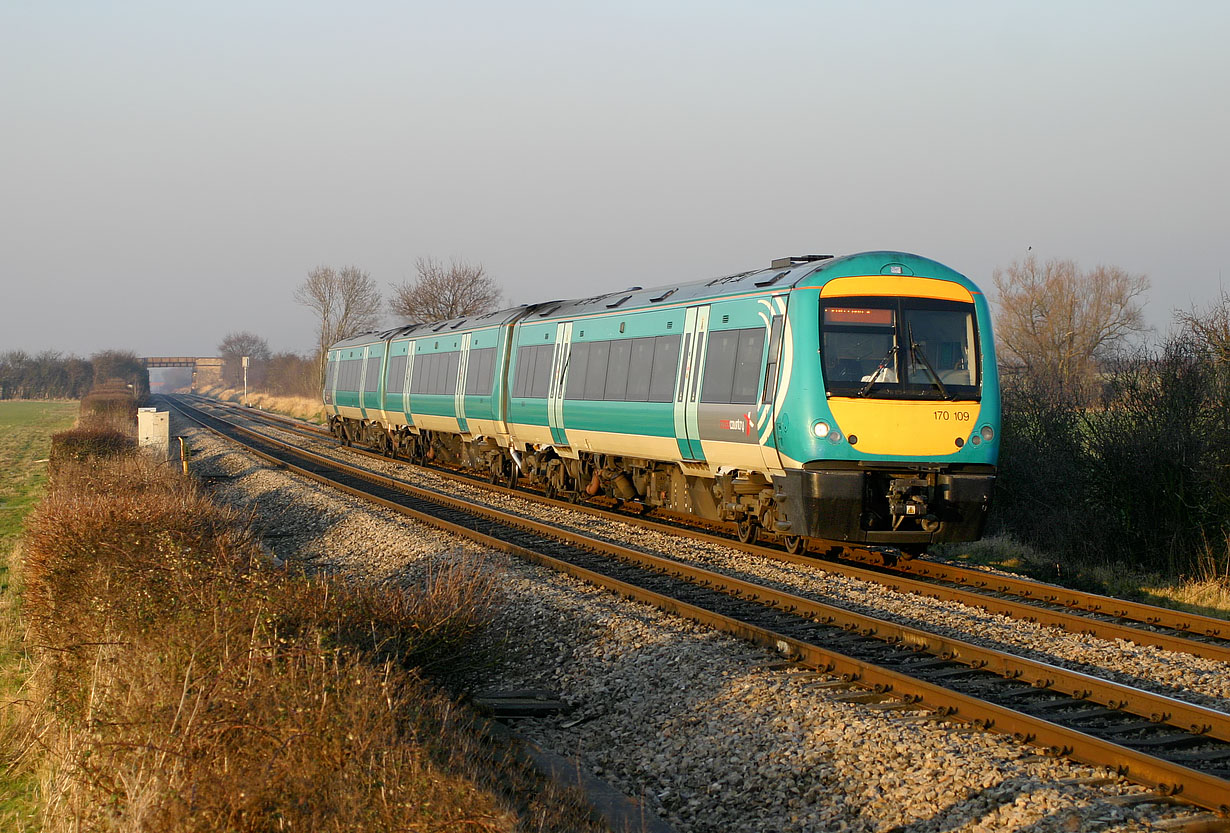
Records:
x=783, y=273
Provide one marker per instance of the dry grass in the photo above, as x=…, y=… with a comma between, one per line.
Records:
x=311, y=410
x=1207, y=591
x=182, y=683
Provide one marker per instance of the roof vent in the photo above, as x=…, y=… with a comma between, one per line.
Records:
x=787, y=262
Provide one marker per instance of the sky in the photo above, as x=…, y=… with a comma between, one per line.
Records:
x=170, y=172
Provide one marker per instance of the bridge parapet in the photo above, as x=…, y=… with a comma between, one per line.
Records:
x=206, y=370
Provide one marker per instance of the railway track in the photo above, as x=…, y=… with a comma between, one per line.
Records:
x=1177, y=748
x=1073, y=611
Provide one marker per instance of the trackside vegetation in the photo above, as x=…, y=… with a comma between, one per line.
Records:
x=179, y=680
x=1121, y=486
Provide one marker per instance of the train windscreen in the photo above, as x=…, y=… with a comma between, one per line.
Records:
x=899, y=348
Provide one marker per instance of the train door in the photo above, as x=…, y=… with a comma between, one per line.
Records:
x=407, y=404
x=363, y=382
x=459, y=395
x=687, y=428
x=559, y=372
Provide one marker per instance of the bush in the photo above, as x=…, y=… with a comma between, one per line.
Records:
x=1136, y=478
x=79, y=445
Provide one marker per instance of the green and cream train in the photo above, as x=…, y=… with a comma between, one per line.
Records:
x=853, y=400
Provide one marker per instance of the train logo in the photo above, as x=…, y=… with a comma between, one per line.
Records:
x=743, y=424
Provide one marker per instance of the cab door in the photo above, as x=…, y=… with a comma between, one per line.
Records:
x=559, y=373
x=687, y=428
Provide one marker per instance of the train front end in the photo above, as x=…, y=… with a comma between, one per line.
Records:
x=888, y=424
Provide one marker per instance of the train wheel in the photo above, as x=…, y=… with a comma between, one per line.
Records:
x=550, y=491
x=497, y=471
x=747, y=531
x=795, y=544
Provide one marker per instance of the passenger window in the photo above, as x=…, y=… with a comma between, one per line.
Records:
x=576, y=371
x=665, y=363
x=617, y=370
x=640, y=368
x=720, y=366
x=748, y=362
x=595, y=373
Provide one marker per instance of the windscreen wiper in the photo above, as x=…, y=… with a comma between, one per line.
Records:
x=875, y=376
x=921, y=355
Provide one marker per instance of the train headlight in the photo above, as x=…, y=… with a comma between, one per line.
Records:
x=820, y=429
x=987, y=432
x=834, y=436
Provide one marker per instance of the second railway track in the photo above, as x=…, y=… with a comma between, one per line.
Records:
x=1074, y=611
x=1174, y=746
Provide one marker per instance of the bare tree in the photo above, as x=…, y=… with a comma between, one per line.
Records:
x=442, y=292
x=237, y=345
x=346, y=301
x=1058, y=320
x=1210, y=330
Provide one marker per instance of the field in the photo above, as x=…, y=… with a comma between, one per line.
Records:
x=25, y=440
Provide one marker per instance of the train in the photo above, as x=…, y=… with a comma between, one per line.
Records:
x=824, y=401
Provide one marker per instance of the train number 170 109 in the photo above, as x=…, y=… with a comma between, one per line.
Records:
x=958, y=416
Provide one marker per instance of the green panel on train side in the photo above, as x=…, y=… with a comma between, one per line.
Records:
x=528, y=411
x=479, y=407
x=347, y=399
x=646, y=419
x=435, y=404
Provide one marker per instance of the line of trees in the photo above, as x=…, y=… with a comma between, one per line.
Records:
x=346, y=301
x=54, y=375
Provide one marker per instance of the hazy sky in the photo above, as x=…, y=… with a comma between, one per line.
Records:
x=171, y=171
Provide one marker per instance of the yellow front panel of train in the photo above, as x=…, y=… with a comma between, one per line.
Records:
x=905, y=429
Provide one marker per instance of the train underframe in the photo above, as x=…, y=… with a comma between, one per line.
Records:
x=905, y=506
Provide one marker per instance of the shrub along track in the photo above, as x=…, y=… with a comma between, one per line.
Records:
x=1178, y=748
x=1074, y=611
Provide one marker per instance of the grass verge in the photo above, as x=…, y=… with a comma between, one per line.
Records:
x=181, y=682
x=310, y=410
x=1207, y=591
x=25, y=444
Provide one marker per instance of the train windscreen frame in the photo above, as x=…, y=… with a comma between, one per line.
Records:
x=900, y=347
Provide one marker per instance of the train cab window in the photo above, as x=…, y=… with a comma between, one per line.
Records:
x=899, y=347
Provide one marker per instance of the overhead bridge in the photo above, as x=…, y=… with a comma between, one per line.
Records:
x=206, y=370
